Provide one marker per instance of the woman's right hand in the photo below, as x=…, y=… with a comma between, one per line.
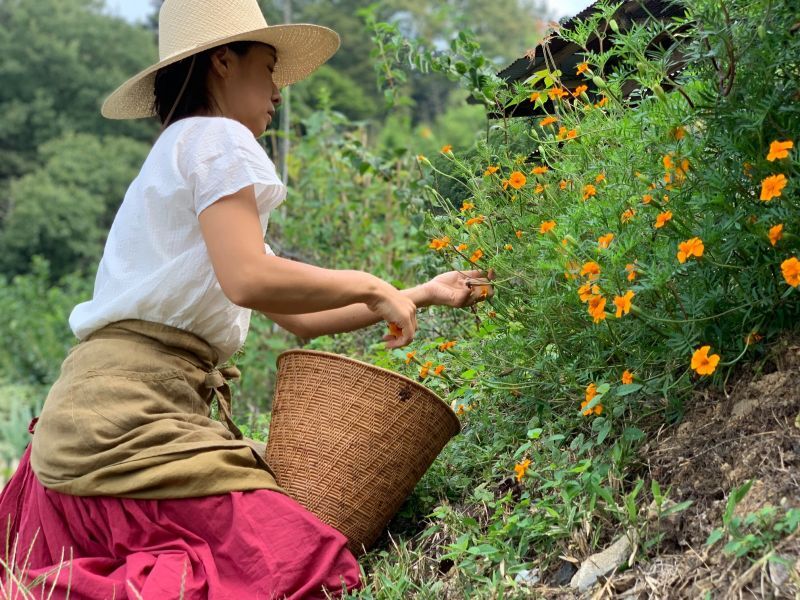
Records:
x=393, y=306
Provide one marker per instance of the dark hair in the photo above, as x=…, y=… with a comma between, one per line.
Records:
x=170, y=80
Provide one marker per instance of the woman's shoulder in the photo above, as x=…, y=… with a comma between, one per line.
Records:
x=210, y=126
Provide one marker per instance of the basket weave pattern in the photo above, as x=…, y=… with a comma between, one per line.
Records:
x=349, y=440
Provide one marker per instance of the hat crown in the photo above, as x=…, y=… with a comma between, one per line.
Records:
x=187, y=24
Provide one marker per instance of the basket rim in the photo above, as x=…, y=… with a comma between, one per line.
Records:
x=451, y=413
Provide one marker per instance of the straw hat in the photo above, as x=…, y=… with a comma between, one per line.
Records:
x=187, y=27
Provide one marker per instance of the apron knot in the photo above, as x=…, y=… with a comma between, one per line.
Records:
x=218, y=381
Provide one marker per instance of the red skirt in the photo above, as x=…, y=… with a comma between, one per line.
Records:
x=239, y=545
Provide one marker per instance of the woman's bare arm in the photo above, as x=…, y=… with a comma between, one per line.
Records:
x=270, y=284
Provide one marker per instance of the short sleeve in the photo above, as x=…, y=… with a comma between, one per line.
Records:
x=219, y=156
x=268, y=249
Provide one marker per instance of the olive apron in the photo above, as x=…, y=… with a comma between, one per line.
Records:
x=130, y=416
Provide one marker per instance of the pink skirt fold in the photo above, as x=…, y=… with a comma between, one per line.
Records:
x=258, y=544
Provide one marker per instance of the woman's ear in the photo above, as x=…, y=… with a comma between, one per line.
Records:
x=221, y=61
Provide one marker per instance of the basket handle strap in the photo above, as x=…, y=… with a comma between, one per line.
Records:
x=218, y=381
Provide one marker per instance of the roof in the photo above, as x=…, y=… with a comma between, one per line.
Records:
x=554, y=52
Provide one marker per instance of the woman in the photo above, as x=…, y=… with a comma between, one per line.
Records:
x=129, y=488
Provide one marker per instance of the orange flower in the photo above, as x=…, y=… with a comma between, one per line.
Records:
x=791, y=271
x=604, y=241
x=446, y=345
x=647, y=199
x=678, y=132
x=540, y=170
x=771, y=187
x=505, y=183
x=579, y=90
x=518, y=233
x=535, y=96
x=490, y=169
x=591, y=392
x=547, y=121
x=557, y=93
x=520, y=468
x=438, y=370
x=779, y=150
x=582, y=68
x=602, y=103
x=597, y=308
x=600, y=178
x=663, y=218
x=572, y=134
x=631, y=269
x=461, y=247
x=627, y=377
x=623, y=303
x=775, y=233
x=563, y=184
x=423, y=371
x=627, y=215
x=476, y=256
x=395, y=330
x=702, y=362
x=667, y=160
x=689, y=248
x=539, y=188
x=439, y=243
x=547, y=226
x=410, y=355
x=587, y=290
x=592, y=269
x=447, y=148
x=746, y=169
x=517, y=180
x=508, y=247
x=475, y=220
x=467, y=206
x=588, y=191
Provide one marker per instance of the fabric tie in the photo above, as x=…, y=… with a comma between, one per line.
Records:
x=218, y=381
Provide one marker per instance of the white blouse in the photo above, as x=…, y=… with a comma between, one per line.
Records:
x=155, y=264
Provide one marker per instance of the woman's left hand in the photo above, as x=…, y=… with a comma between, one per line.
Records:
x=459, y=289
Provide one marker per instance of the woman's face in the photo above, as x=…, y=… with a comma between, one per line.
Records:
x=242, y=86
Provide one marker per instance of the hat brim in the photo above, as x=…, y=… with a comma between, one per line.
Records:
x=301, y=49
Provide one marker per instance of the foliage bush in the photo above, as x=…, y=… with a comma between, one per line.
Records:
x=637, y=254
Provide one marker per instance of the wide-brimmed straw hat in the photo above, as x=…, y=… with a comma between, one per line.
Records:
x=187, y=27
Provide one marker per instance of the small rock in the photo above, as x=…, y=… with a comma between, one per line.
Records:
x=601, y=563
x=528, y=577
x=778, y=571
x=564, y=574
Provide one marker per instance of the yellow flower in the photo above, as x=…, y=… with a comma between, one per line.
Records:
x=517, y=180
x=508, y=247
x=791, y=271
x=604, y=241
x=623, y=303
x=775, y=233
x=771, y=187
x=689, y=248
x=520, y=468
x=662, y=219
x=421, y=158
x=702, y=362
x=547, y=226
x=627, y=377
x=490, y=169
x=779, y=150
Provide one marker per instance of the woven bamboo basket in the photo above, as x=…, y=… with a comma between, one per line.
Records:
x=349, y=440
